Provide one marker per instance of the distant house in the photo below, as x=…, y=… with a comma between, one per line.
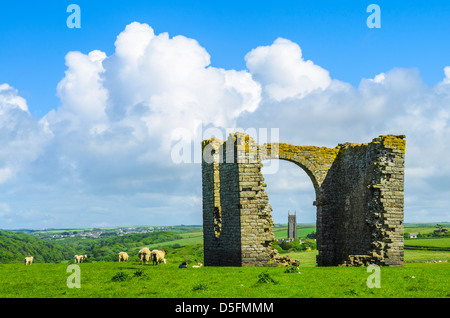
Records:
x=413, y=235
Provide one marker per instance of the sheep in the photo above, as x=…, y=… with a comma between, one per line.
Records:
x=158, y=256
x=80, y=258
x=183, y=265
x=197, y=266
x=28, y=260
x=123, y=257
x=144, y=255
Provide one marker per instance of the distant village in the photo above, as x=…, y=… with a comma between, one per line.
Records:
x=99, y=232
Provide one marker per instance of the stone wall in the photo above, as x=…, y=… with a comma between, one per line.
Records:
x=359, y=200
x=234, y=196
x=221, y=213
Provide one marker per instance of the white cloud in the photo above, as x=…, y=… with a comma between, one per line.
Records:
x=394, y=102
x=162, y=83
x=21, y=138
x=283, y=72
x=107, y=147
x=447, y=74
x=5, y=209
x=112, y=133
x=83, y=98
x=5, y=174
x=132, y=101
x=378, y=78
x=9, y=99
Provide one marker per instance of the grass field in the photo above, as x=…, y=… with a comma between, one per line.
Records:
x=302, y=231
x=426, y=274
x=437, y=242
x=421, y=280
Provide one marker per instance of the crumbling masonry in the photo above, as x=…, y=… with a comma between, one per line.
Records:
x=359, y=200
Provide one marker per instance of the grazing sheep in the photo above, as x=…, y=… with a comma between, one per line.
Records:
x=158, y=256
x=28, y=260
x=123, y=257
x=183, y=265
x=197, y=266
x=144, y=255
x=80, y=258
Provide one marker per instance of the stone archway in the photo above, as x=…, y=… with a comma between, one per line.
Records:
x=291, y=192
x=359, y=200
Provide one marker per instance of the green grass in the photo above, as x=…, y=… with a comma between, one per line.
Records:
x=419, y=278
x=437, y=242
x=414, y=256
x=423, y=276
x=306, y=258
x=47, y=280
x=281, y=231
x=188, y=238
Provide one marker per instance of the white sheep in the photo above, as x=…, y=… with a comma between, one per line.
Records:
x=144, y=255
x=80, y=258
x=197, y=266
x=28, y=260
x=123, y=257
x=158, y=256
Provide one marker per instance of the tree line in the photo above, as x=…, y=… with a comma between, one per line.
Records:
x=15, y=246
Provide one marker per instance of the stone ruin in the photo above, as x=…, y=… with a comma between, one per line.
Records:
x=359, y=191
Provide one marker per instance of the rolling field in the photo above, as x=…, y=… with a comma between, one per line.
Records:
x=426, y=274
x=110, y=280
x=429, y=242
x=302, y=231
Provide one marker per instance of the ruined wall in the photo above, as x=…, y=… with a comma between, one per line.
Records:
x=363, y=203
x=221, y=213
x=359, y=200
x=244, y=237
x=387, y=200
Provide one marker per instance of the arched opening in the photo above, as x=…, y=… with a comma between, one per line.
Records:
x=291, y=190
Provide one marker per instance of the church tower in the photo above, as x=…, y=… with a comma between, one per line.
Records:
x=292, y=225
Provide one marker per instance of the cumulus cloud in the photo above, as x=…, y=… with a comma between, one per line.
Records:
x=10, y=100
x=105, y=152
x=113, y=132
x=132, y=101
x=283, y=72
x=167, y=83
x=447, y=75
x=81, y=91
x=22, y=138
x=393, y=102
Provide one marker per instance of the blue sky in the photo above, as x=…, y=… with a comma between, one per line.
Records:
x=333, y=34
x=50, y=175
